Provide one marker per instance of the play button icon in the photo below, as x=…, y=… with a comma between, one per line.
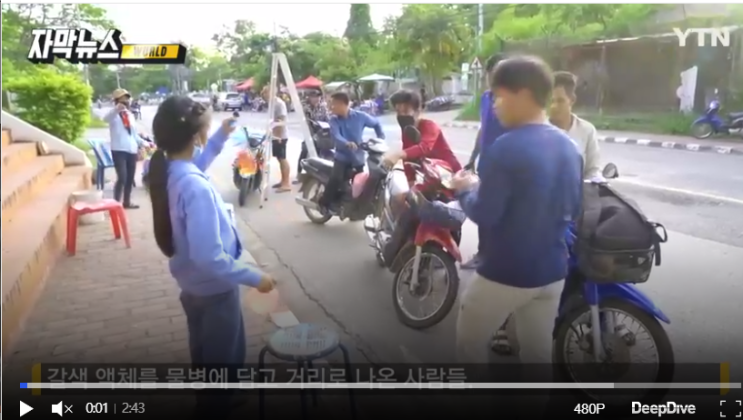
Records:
x=25, y=408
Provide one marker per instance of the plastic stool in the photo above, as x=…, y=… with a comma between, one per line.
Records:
x=114, y=209
x=303, y=344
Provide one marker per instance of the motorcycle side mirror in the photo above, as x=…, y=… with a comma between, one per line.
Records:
x=412, y=134
x=610, y=171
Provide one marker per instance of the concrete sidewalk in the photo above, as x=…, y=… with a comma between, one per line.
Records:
x=649, y=140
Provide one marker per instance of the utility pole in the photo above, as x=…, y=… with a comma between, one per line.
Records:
x=480, y=27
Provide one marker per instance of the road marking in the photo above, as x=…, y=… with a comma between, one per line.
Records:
x=707, y=196
x=700, y=194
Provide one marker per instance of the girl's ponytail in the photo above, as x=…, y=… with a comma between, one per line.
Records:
x=162, y=226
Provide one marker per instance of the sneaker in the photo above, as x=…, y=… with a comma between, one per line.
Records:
x=472, y=264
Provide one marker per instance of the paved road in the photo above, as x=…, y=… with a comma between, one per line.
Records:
x=699, y=286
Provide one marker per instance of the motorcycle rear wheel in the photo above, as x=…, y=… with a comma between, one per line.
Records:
x=311, y=190
x=246, y=185
x=451, y=292
x=663, y=345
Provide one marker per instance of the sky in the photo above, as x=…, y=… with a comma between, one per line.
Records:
x=195, y=24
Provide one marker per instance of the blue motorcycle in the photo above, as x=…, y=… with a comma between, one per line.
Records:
x=712, y=123
x=605, y=352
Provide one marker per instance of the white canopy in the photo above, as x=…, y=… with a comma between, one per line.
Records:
x=377, y=78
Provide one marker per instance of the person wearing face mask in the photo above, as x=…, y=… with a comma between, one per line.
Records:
x=125, y=145
x=432, y=143
x=194, y=230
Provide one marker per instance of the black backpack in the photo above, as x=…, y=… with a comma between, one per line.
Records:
x=616, y=243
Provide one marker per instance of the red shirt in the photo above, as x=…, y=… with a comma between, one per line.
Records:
x=433, y=145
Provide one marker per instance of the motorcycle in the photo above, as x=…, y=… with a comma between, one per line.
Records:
x=359, y=198
x=420, y=242
x=712, y=123
x=248, y=166
x=606, y=349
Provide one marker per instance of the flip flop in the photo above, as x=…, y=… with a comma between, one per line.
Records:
x=281, y=189
x=277, y=185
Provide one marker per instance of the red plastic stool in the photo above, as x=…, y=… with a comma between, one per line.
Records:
x=115, y=211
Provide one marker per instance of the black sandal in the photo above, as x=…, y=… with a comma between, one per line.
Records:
x=500, y=343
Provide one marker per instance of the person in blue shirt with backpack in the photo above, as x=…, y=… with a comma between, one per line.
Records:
x=490, y=129
x=527, y=193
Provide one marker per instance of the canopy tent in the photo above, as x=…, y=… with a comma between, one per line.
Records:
x=310, y=82
x=376, y=78
x=335, y=85
x=245, y=85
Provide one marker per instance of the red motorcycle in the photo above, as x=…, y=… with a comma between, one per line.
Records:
x=416, y=236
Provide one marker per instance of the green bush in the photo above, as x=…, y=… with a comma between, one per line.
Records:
x=54, y=102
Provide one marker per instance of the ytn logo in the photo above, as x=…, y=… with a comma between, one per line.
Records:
x=718, y=36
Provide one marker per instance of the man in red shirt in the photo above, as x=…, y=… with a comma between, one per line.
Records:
x=432, y=144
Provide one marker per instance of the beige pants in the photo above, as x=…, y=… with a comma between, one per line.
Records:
x=484, y=307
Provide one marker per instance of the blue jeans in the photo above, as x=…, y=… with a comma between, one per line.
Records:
x=216, y=335
x=125, y=164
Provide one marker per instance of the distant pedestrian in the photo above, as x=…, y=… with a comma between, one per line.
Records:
x=424, y=97
x=125, y=145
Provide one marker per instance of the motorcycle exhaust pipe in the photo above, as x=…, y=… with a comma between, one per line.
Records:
x=307, y=203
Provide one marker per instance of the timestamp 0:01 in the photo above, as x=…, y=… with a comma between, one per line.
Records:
x=119, y=408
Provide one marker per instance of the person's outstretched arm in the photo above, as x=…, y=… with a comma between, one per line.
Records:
x=212, y=149
x=205, y=247
x=475, y=150
x=372, y=122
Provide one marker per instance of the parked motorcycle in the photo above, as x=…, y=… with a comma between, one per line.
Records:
x=712, y=123
x=440, y=103
x=606, y=351
x=248, y=166
x=419, y=242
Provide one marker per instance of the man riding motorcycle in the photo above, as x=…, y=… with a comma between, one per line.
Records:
x=347, y=128
x=432, y=144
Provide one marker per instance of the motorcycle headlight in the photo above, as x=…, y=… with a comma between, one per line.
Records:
x=445, y=177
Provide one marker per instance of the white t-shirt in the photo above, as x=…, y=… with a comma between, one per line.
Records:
x=586, y=138
x=280, y=112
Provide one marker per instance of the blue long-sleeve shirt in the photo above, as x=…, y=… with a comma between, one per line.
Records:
x=350, y=129
x=122, y=140
x=529, y=191
x=207, y=246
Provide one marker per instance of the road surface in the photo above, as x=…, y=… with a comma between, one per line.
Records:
x=698, y=196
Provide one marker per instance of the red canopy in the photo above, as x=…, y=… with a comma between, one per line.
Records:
x=310, y=82
x=245, y=85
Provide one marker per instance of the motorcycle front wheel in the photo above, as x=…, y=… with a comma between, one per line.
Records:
x=702, y=130
x=401, y=286
x=618, y=365
x=312, y=189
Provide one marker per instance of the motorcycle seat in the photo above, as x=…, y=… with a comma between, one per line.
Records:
x=735, y=115
x=319, y=164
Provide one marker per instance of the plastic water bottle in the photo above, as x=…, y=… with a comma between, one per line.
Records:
x=262, y=303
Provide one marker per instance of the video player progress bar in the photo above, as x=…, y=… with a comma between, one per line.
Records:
x=374, y=385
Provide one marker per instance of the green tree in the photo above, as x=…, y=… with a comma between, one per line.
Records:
x=359, y=26
x=434, y=37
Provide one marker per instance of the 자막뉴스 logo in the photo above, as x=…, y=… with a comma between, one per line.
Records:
x=79, y=46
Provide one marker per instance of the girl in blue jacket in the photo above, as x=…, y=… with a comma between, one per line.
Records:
x=194, y=230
